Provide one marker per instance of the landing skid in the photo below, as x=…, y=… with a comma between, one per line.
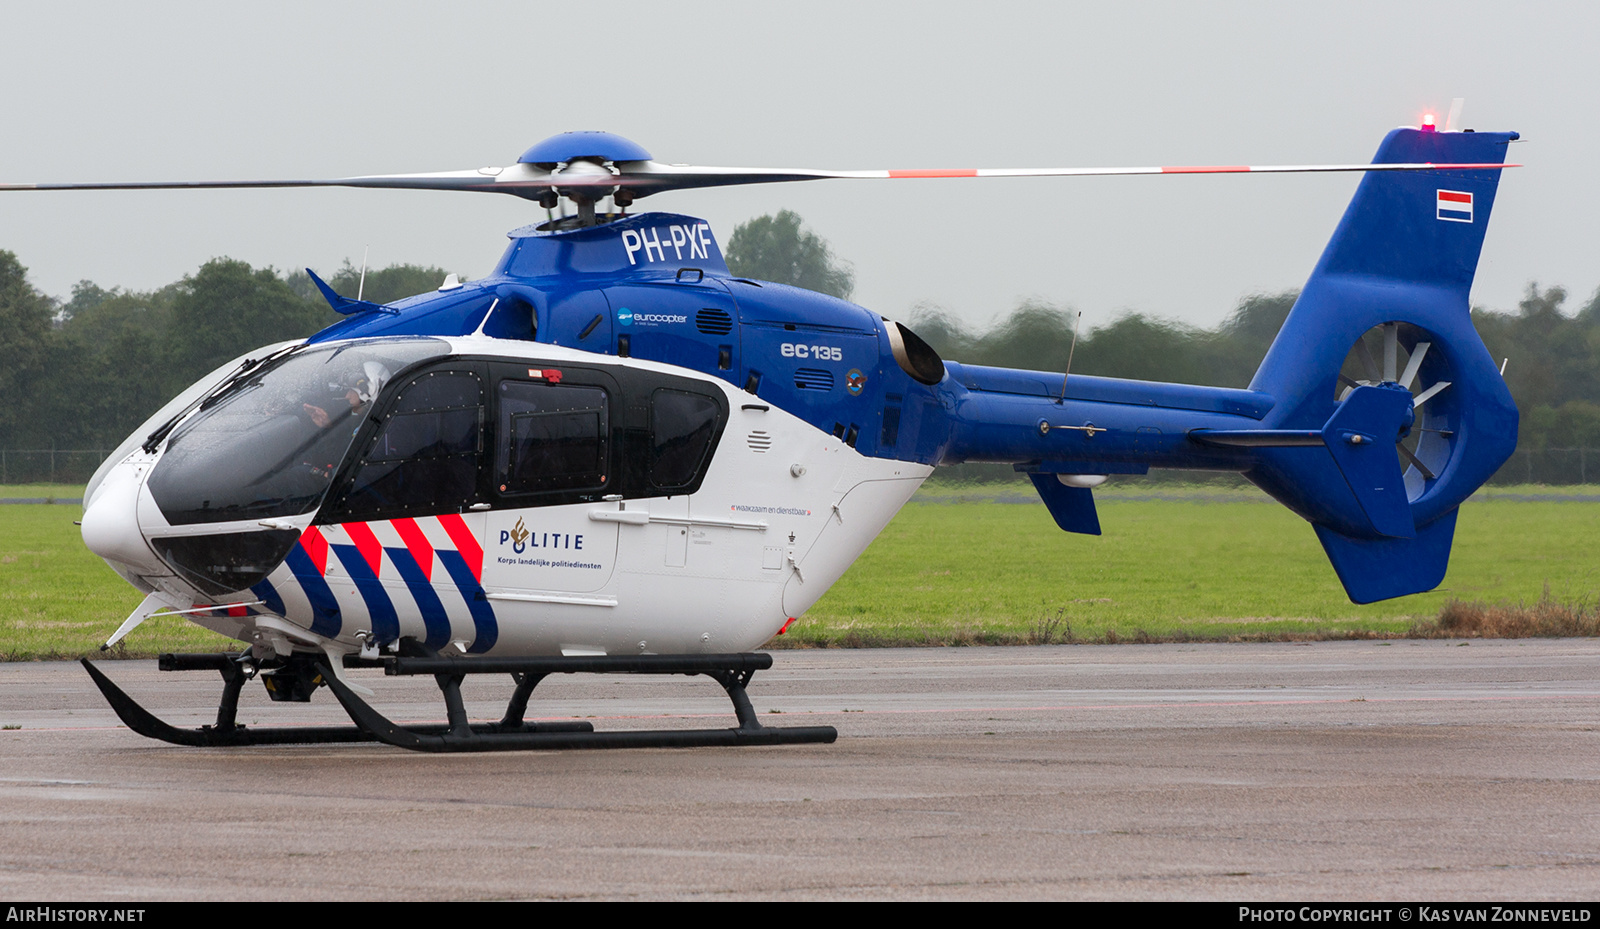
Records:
x=511, y=733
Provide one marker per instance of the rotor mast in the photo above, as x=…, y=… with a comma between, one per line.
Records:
x=585, y=160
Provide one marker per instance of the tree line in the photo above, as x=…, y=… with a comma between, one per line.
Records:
x=85, y=371
x=1552, y=356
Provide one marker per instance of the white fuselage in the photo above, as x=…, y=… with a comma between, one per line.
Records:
x=783, y=510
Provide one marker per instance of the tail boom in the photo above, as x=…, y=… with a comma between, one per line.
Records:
x=1402, y=260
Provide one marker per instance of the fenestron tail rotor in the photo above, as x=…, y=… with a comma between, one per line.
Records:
x=1424, y=446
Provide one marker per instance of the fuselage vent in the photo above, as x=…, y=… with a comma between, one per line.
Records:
x=813, y=379
x=713, y=321
x=759, y=441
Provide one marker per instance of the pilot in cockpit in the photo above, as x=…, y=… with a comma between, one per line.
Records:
x=349, y=401
x=359, y=391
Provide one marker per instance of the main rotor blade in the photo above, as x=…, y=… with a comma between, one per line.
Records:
x=647, y=177
x=664, y=177
x=444, y=180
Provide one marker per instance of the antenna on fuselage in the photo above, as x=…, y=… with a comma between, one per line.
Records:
x=361, y=288
x=1076, y=325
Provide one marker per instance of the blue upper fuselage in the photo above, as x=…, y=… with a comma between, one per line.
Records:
x=655, y=286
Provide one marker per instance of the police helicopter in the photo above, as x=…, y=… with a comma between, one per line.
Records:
x=611, y=455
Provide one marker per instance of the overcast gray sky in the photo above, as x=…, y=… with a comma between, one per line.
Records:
x=149, y=91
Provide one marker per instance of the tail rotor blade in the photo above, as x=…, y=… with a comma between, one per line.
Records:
x=1416, y=462
x=1428, y=394
x=1414, y=364
x=1368, y=362
x=1391, y=351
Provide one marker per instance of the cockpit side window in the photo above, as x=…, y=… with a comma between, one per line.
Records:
x=425, y=456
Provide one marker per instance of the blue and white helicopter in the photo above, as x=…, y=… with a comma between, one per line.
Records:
x=610, y=454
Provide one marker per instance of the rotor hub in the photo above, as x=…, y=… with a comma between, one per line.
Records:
x=584, y=168
x=1406, y=422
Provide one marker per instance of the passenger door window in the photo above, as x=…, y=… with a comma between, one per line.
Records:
x=552, y=437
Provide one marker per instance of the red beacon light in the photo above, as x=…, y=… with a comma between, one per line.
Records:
x=1427, y=124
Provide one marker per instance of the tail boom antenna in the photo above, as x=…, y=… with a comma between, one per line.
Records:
x=1076, y=325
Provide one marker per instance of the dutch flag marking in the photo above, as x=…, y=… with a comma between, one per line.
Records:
x=1455, y=206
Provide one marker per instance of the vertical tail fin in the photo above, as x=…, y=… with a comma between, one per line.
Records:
x=1400, y=266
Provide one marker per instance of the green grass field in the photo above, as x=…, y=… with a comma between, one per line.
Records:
x=955, y=567
x=45, y=491
x=1234, y=566
x=57, y=599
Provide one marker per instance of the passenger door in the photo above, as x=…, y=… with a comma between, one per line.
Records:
x=551, y=466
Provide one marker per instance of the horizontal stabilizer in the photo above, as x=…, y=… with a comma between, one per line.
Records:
x=1072, y=507
x=1377, y=569
x=1360, y=438
x=344, y=305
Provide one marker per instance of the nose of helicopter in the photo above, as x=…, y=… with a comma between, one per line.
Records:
x=111, y=523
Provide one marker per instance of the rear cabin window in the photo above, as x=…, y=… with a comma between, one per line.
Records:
x=553, y=437
x=682, y=425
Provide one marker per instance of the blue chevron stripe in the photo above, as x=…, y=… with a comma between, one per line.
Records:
x=268, y=595
x=385, y=624
x=326, y=619
x=483, y=621
x=434, y=617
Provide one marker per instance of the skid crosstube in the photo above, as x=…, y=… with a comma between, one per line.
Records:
x=732, y=671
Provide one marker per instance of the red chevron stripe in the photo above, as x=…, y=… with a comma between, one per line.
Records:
x=316, y=546
x=366, y=543
x=416, y=543
x=466, y=543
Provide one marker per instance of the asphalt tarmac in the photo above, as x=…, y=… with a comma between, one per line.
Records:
x=1407, y=770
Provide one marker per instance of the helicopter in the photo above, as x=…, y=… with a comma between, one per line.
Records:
x=610, y=454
